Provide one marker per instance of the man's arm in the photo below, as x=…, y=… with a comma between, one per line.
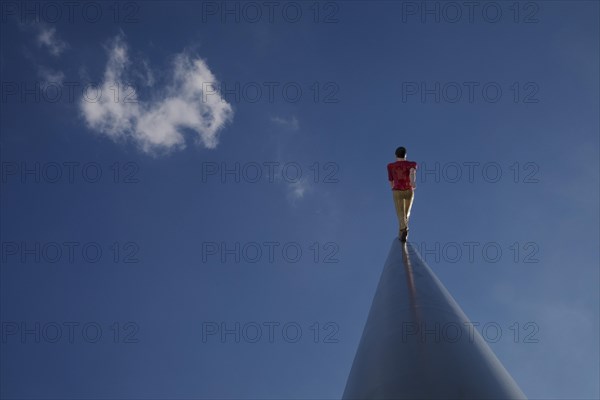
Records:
x=413, y=178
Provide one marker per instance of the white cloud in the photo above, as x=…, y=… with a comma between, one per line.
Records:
x=47, y=38
x=291, y=123
x=158, y=124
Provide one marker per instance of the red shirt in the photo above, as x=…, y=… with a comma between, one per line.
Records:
x=399, y=172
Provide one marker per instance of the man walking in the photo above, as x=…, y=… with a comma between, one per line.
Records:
x=401, y=175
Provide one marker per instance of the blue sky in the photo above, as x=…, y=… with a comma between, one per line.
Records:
x=498, y=103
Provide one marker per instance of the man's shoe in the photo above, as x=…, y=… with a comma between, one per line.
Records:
x=403, y=235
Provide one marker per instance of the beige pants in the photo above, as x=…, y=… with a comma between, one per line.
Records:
x=403, y=201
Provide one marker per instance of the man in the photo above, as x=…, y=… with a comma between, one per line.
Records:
x=401, y=175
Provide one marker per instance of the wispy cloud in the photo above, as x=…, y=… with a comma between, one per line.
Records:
x=146, y=76
x=297, y=190
x=291, y=123
x=159, y=123
x=48, y=38
x=49, y=76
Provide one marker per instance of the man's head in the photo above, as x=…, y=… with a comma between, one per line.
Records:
x=401, y=152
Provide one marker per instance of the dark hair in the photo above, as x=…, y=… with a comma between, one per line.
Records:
x=401, y=152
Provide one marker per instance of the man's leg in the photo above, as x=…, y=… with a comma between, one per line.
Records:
x=399, y=204
x=408, y=201
x=407, y=198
